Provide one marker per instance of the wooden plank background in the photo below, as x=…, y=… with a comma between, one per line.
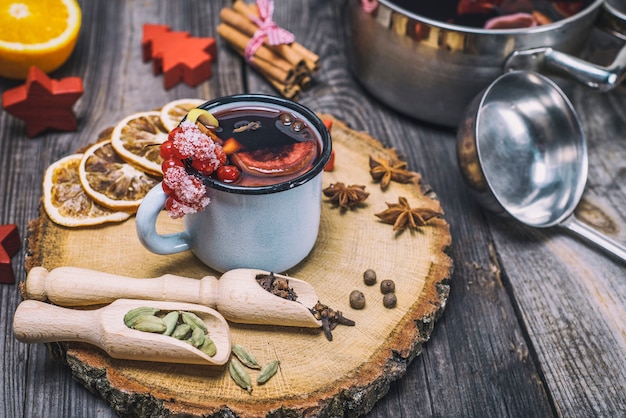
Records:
x=536, y=321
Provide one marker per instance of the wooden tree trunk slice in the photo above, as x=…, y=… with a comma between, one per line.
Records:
x=316, y=377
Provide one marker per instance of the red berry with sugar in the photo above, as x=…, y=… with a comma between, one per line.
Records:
x=174, y=132
x=169, y=202
x=171, y=162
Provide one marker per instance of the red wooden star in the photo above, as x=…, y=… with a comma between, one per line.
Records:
x=180, y=57
x=9, y=244
x=43, y=103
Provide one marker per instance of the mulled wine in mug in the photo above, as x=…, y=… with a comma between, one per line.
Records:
x=252, y=201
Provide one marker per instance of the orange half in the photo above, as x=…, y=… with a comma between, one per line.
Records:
x=39, y=33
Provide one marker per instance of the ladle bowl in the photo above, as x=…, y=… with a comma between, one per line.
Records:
x=522, y=151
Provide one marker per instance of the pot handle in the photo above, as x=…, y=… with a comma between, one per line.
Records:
x=548, y=60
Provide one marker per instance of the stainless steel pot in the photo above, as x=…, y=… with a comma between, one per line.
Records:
x=431, y=70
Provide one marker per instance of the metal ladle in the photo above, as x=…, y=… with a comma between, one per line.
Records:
x=523, y=153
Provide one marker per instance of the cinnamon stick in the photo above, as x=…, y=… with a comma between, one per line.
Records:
x=311, y=59
x=288, y=90
x=303, y=80
x=267, y=70
x=291, y=92
x=273, y=64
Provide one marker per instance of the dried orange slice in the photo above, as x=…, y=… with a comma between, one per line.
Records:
x=65, y=200
x=137, y=139
x=111, y=181
x=173, y=112
x=39, y=33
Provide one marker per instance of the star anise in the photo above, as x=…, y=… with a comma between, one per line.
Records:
x=346, y=196
x=401, y=215
x=386, y=171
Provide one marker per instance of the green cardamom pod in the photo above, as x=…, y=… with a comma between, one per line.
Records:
x=131, y=316
x=150, y=323
x=245, y=356
x=197, y=337
x=181, y=332
x=267, y=372
x=208, y=347
x=239, y=374
x=171, y=320
x=194, y=321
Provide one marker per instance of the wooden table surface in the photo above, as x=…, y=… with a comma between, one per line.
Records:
x=536, y=320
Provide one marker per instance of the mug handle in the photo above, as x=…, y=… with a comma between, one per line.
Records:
x=152, y=204
x=547, y=60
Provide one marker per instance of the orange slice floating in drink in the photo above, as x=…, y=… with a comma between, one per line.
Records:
x=283, y=161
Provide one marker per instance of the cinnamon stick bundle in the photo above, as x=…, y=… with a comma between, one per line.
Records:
x=288, y=67
x=311, y=59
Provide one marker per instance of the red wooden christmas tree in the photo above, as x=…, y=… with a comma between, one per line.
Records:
x=177, y=55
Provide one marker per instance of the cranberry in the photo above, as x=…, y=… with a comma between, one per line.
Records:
x=228, y=173
x=167, y=189
x=171, y=162
x=206, y=167
x=169, y=202
x=167, y=149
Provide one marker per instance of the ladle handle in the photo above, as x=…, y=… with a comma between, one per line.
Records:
x=39, y=322
x=74, y=286
x=547, y=60
x=583, y=230
x=601, y=78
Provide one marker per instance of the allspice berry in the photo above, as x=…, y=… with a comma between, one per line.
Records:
x=390, y=300
x=387, y=286
x=357, y=299
x=369, y=277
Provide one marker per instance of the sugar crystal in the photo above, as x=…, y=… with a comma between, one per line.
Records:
x=191, y=142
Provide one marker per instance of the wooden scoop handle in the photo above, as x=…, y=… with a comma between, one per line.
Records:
x=74, y=286
x=37, y=322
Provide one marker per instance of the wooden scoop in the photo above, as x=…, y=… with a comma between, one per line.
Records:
x=40, y=322
x=236, y=295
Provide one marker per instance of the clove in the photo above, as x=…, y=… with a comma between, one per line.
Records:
x=330, y=319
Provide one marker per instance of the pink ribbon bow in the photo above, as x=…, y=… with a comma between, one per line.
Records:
x=267, y=28
x=369, y=5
